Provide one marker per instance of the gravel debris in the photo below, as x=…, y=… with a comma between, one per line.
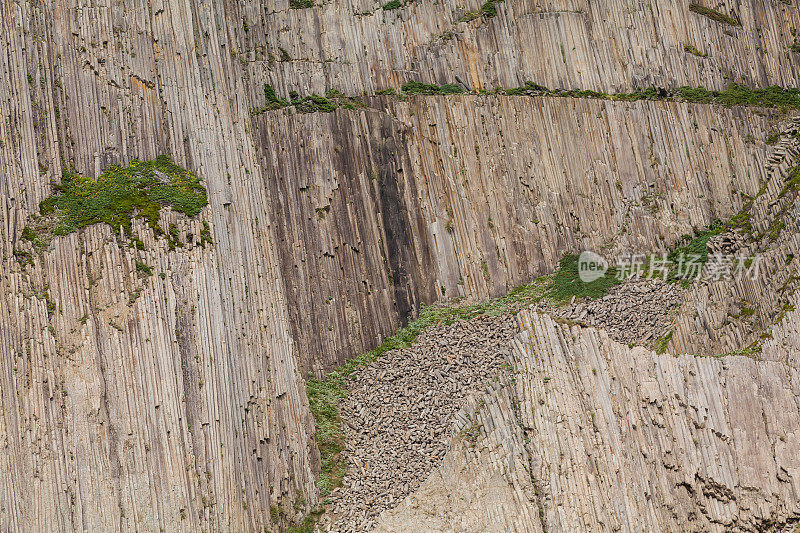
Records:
x=635, y=312
x=399, y=414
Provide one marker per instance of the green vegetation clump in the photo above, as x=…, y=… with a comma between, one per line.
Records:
x=566, y=283
x=393, y=4
x=529, y=87
x=122, y=194
x=489, y=9
x=415, y=87
x=792, y=183
x=773, y=96
x=144, y=268
x=205, y=235
x=663, y=343
x=315, y=104
x=736, y=94
x=713, y=14
x=332, y=100
x=273, y=102
x=694, y=248
x=773, y=138
x=300, y=4
x=308, y=524
x=28, y=234
x=692, y=49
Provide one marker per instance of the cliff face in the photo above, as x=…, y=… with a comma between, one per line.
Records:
x=176, y=400
x=592, y=435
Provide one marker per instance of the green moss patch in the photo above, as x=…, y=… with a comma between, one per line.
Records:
x=713, y=14
x=415, y=87
x=487, y=10
x=392, y=5
x=121, y=194
x=566, y=284
x=332, y=100
x=692, y=49
x=735, y=95
x=694, y=247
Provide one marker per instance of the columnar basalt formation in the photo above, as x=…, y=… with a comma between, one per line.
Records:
x=162, y=388
x=593, y=435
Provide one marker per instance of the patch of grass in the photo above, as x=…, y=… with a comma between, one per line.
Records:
x=662, y=343
x=122, y=194
x=393, y=4
x=332, y=100
x=773, y=138
x=315, y=104
x=693, y=50
x=44, y=294
x=749, y=351
x=415, y=87
x=736, y=94
x=566, y=283
x=174, y=237
x=713, y=14
x=471, y=432
x=792, y=184
x=144, y=268
x=529, y=87
x=28, y=234
x=300, y=4
x=324, y=395
x=205, y=235
x=273, y=102
x=308, y=524
x=489, y=9
x=773, y=97
x=694, y=248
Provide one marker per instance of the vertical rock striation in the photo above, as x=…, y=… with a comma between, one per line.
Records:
x=176, y=401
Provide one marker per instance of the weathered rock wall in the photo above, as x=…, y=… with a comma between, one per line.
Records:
x=177, y=401
x=606, y=46
x=601, y=437
x=735, y=312
x=407, y=202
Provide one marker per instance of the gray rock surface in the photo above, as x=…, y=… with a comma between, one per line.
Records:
x=176, y=401
x=602, y=437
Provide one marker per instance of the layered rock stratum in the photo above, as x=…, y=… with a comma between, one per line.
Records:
x=163, y=387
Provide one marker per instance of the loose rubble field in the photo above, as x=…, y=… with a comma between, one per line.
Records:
x=635, y=312
x=399, y=413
